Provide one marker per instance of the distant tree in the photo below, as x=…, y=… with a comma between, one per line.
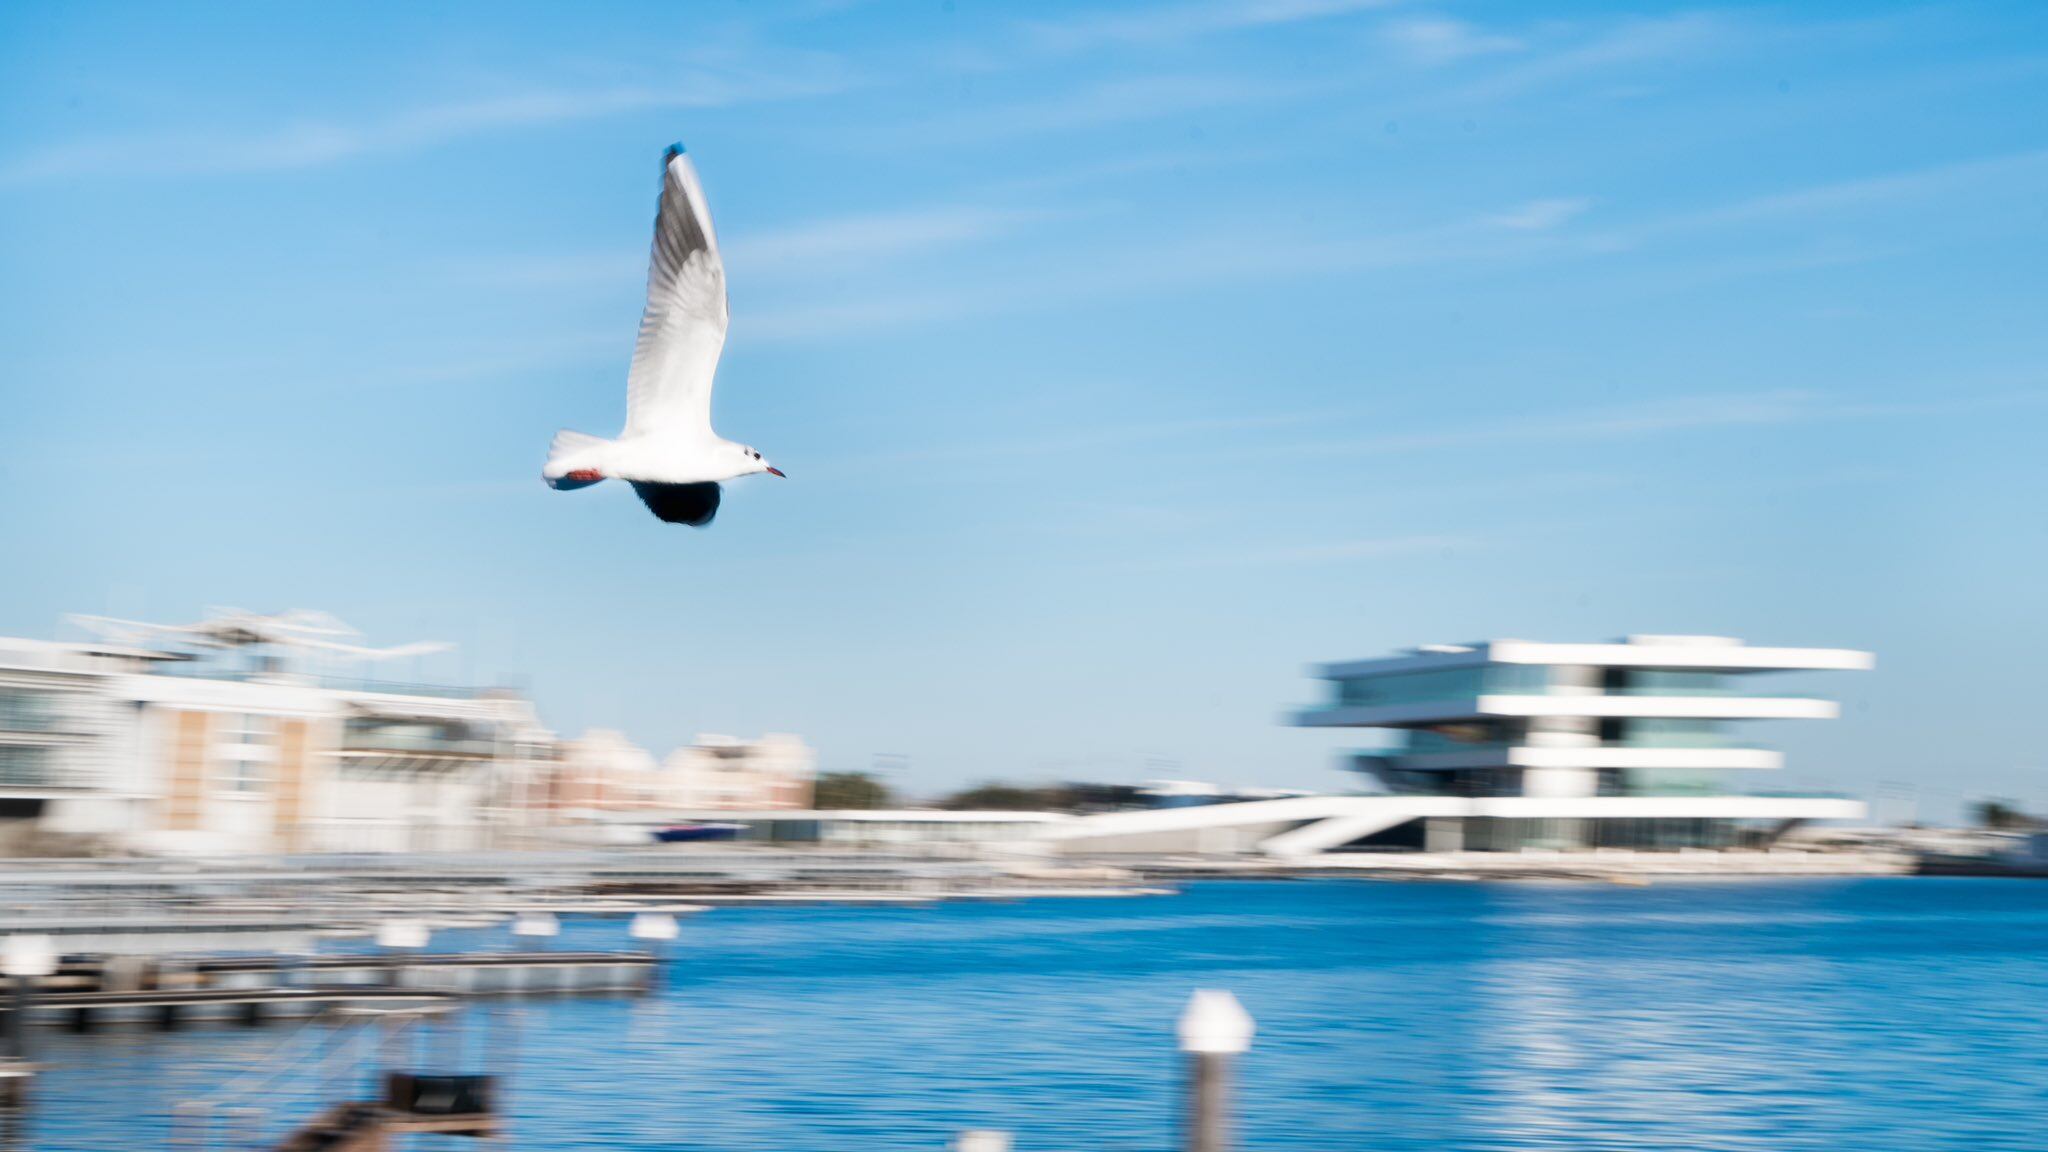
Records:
x=848, y=790
x=1073, y=796
x=1082, y=796
x=2002, y=816
x=997, y=797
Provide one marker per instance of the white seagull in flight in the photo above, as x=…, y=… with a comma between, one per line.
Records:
x=668, y=452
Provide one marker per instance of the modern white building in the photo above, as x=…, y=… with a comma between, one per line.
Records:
x=1511, y=745
x=1634, y=737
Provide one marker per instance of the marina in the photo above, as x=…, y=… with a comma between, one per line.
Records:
x=1255, y=576
x=1809, y=1013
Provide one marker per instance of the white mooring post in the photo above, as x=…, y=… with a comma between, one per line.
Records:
x=535, y=929
x=658, y=929
x=24, y=960
x=397, y=937
x=1213, y=1028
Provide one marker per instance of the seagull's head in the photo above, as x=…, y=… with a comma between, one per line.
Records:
x=751, y=462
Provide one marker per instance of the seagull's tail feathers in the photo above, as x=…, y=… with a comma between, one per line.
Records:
x=576, y=460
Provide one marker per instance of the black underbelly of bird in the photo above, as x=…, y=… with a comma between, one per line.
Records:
x=692, y=504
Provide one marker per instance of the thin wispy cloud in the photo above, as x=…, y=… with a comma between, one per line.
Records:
x=1300, y=555
x=1627, y=45
x=2002, y=174
x=316, y=142
x=801, y=249
x=1621, y=423
x=864, y=315
x=1185, y=21
x=1158, y=264
x=1098, y=438
x=1706, y=412
x=1436, y=40
x=877, y=236
x=1883, y=189
x=1541, y=215
x=1359, y=549
x=1099, y=105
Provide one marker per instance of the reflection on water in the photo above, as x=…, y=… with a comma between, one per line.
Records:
x=1788, y=1015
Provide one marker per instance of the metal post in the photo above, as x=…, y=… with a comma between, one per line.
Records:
x=1213, y=1028
x=24, y=960
x=17, y=1019
x=1208, y=1103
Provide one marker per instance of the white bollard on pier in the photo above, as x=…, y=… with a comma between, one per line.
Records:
x=1213, y=1028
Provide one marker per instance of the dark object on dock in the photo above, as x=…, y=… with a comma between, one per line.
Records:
x=451, y=1097
x=690, y=833
x=15, y=1077
x=444, y=1105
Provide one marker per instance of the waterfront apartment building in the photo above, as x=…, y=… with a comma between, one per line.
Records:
x=722, y=773
x=250, y=733
x=1631, y=744
x=603, y=771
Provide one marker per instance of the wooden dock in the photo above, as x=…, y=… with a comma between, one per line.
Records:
x=167, y=1009
x=250, y=989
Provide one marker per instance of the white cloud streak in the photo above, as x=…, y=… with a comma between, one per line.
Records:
x=1624, y=423
x=1299, y=555
x=317, y=143
x=1436, y=40
x=877, y=236
x=1186, y=21
x=1541, y=215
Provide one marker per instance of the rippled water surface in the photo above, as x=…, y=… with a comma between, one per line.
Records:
x=1899, y=1015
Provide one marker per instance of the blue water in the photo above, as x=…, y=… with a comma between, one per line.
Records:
x=1897, y=1015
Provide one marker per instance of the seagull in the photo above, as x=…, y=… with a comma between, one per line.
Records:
x=668, y=452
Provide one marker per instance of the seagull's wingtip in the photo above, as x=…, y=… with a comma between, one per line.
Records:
x=674, y=150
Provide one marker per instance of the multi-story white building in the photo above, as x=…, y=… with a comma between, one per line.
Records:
x=1624, y=744
x=1512, y=745
x=249, y=733
x=602, y=770
x=58, y=728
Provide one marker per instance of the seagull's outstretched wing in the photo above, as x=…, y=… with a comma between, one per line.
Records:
x=682, y=332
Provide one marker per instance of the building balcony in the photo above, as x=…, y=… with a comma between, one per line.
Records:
x=1590, y=756
x=482, y=748
x=1601, y=706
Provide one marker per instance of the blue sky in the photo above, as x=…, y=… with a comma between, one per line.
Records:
x=1124, y=358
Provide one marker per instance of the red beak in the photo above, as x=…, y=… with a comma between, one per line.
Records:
x=774, y=471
